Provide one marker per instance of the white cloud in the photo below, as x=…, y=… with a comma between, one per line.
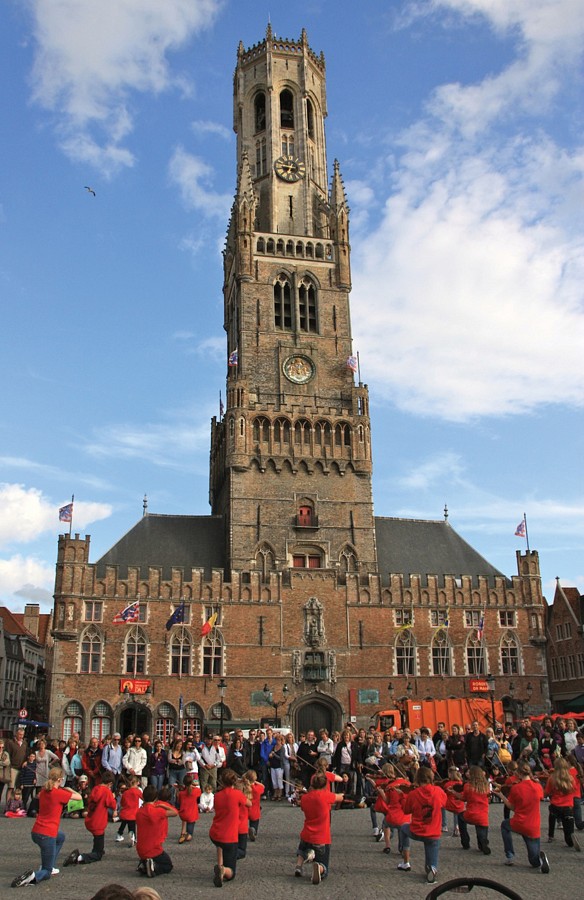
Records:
x=90, y=58
x=27, y=577
x=194, y=176
x=445, y=467
x=201, y=127
x=25, y=514
x=468, y=295
x=172, y=444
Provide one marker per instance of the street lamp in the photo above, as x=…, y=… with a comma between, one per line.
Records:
x=222, y=688
x=491, y=684
x=522, y=703
x=276, y=704
x=390, y=688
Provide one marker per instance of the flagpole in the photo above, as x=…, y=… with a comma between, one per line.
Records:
x=72, y=508
x=526, y=532
x=358, y=368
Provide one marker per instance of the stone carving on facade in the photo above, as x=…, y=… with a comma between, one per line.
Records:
x=332, y=666
x=296, y=666
x=314, y=634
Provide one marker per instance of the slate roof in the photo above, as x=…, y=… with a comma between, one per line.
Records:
x=408, y=546
x=418, y=547
x=188, y=542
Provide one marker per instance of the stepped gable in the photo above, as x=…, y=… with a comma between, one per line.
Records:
x=167, y=542
x=419, y=547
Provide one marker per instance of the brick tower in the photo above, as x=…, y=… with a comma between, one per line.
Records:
x=291, y=460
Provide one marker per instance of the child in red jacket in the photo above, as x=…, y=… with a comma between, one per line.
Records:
x=455, y=804
x=188, y=807
x=255, y=811
x=425, y=805
x=129, y=806
x=476, y=795
x=100, y=800
x=562, y=788
x=389, y=802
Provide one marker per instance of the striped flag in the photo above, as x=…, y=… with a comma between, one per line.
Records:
x=233, y=358
x=481, y=628
x=520, y=530
x=206, y=628
x=130, y=614
x=66, y=513
x=352, y=363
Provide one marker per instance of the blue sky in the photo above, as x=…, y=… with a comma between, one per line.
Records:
x=458, y=125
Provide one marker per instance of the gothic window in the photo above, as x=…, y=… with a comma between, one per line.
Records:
x=287, y=145
x=289, y=248
x=309, y=249
x=299, y=249
x=441, y=654
x=472, y=618
x=261, y=245
x=165, y=720
x=193, y=720
x=135, y=655
x=265, y=562
x=101, y=720
x=342, y=434
x=310, y=119
x=302, y=432
x=405, y=653
x=259, y=108
x=282, y=431
x=286, y=109
x=283, y=304
x=438, y=617
x=213, y=654
x=319, y=251
x=261, y=164
x=348, y=561
x=72, y=720
x=271, y=246
x=91, y=647
x=180, y=653
x=307, y=305
x=280, y=247
x=476, y=663
x=507, y=618
x=261, y=430
x=404, y=616
x=509, y=655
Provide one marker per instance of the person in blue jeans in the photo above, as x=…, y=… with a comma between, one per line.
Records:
x=424, y=804
x=45, y=831
x=524, y=799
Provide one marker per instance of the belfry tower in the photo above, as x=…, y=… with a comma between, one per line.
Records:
x=291, y=459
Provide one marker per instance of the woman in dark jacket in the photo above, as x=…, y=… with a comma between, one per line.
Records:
x=456, y=748
x=235, y=757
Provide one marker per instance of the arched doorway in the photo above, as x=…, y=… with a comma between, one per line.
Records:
x=135, y=718
x=316, y=711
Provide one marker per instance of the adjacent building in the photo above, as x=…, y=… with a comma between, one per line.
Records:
x=26, y=641
x=314, y=595
x=565, y=649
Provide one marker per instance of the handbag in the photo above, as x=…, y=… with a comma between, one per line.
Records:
x=75, y=806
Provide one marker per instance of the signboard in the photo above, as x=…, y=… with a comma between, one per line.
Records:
x=23, y=713
x=134, y=685
x=478, y=686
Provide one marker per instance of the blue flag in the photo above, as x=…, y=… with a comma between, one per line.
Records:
x=177, y=616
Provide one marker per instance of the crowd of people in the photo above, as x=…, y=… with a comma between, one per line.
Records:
x=411, y=779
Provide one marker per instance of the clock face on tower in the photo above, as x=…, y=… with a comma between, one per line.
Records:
x=289, y=168
x=298, y=369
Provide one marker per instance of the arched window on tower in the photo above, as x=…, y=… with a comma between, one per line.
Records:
x=265, y=562
x=310, y=119
x=283, y=304
x=286, y=109
x=305, y=516
x=307, y=305
x=287, y=145
x=259, y=106
x=261, y=158
x=261, y=430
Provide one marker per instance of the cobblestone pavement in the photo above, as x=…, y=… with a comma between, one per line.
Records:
x=358, y=865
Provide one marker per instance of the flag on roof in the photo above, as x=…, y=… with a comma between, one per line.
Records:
x=130, y=614
x=520, y=531
x=177, y=617
x=221, y=407
x=233, y=358
x=206, y=628
x=481, y=628
x=352, y=363
x=66, y=513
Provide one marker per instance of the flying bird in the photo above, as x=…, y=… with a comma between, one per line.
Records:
x=89, y=190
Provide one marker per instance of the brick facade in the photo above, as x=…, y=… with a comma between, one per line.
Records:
x=300, y=571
